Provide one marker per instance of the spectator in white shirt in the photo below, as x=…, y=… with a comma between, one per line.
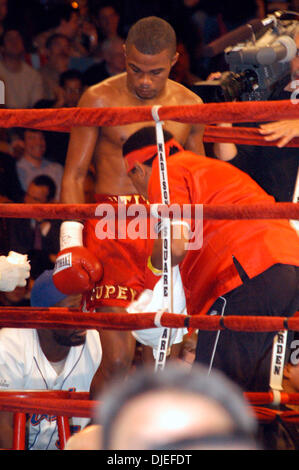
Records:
x=41, y=359
x=34, y=163
x=22, y=83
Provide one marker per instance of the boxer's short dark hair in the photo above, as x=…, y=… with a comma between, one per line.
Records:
x=152, y=35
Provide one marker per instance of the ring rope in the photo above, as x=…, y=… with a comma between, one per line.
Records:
x=50, y=406
x=63, y=119
x=241, y=136
x=275, y=210
x=60, y=317
x=51, y=403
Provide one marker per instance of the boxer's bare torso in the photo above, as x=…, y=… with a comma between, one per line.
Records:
x=145, y=83
x=103, y=145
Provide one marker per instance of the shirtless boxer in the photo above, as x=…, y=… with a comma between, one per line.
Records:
x=150, y=52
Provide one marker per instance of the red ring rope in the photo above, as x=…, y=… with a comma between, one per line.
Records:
x=241, y=135
x=59, y=317
x=63, y=119
x=278, y=210
x=53, y=402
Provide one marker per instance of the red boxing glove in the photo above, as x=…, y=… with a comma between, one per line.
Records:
x=76, y=269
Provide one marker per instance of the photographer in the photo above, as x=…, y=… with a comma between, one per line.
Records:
x=285, y=131
x=273, y=168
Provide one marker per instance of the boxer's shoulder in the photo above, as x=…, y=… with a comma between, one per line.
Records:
x=181, y=94
x=104, y=93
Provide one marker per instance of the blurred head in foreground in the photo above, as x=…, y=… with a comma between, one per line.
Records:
x=176, y=409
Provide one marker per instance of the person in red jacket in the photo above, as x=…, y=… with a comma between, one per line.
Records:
x=243, y=267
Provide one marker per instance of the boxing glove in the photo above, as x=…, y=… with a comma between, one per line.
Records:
x=14, y=270
x=76, y=269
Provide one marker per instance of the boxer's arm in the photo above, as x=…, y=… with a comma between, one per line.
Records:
x=194, y=142
x=80, y=151
x=79, y=155
x=76, y=269
x=225, y=151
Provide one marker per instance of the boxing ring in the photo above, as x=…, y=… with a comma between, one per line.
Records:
x=66, y=404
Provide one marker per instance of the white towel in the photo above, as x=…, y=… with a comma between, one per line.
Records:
x=14, y=271
x=152, y=301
